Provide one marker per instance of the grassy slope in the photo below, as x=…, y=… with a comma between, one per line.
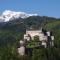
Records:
x=52, y=25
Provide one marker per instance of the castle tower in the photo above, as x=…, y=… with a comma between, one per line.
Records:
x=52, y=40
x=21, y=49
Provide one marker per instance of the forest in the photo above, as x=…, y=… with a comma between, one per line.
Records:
x=12, y=32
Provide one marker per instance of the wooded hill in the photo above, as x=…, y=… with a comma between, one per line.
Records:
x=12, y=32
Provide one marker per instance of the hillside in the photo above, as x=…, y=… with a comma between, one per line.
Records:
x=11, y=32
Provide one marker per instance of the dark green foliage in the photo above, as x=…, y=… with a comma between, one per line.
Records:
x=12, y=32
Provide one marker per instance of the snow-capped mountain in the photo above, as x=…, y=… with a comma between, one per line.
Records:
x=8, y=15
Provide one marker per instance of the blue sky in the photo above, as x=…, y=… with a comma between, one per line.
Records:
x=42, y=7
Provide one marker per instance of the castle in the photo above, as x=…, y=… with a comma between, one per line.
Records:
x=45, y=37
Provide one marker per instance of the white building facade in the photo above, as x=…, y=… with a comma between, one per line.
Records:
x=30, y=34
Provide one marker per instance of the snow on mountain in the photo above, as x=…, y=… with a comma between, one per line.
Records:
x=8, y=15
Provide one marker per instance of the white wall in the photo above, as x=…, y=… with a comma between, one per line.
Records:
x=33, y=33
x=21, y=50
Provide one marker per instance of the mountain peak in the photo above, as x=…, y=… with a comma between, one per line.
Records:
x=7, y=15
